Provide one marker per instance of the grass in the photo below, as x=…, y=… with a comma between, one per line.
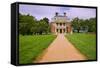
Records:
x=33, y=45
x=85, y=43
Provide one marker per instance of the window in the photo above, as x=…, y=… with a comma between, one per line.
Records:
x=60, y=24
x=63, y=24
x=57, y=30
x=57, y=24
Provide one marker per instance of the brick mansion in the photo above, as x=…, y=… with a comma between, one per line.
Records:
x=60, y=24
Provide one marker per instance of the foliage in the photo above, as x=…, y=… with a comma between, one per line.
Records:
x=25, y=24
x=87, y=24
x=29, y=25
x=40, y=27
x=92, y=25
x=76, y=24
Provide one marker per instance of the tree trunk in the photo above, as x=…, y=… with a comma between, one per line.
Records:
x=40, y=33
x=78, y=30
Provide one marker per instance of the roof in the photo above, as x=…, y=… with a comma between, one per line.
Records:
x=60, y=19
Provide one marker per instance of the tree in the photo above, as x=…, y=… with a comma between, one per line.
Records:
x=76, y=23
x=29, y=25
x=43, y=26
x=87, y=24
x=46, y=20
x=25, y=24
x=92, y=25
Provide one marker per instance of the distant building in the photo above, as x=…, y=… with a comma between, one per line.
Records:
x=60, y=24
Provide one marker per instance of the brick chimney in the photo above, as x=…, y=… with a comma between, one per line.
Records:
x=56, y=14
x=64, y=14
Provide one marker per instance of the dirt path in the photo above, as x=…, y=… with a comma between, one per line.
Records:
x=60, y=50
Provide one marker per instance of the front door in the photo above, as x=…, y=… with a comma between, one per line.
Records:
x=60, y=30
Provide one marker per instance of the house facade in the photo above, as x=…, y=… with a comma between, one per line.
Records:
x=60, y=24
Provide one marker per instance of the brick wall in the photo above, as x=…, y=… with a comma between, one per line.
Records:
x=52, y=28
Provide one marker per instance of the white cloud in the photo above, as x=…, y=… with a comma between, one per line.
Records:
x=49, y=11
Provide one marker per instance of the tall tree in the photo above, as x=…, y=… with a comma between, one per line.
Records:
x=92, y=25
x=25, y=24
x=87, y=24
x=29, y=25
x=76, y=23
x=46, y=20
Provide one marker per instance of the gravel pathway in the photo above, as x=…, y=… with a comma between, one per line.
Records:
x=60, y=50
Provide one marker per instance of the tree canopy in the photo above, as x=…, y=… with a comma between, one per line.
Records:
x=88, y=24
x=29, y=25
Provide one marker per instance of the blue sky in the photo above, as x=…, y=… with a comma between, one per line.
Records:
x=49, y=11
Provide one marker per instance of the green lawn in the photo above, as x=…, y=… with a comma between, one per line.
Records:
x=85, y=43
x=33, y=45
